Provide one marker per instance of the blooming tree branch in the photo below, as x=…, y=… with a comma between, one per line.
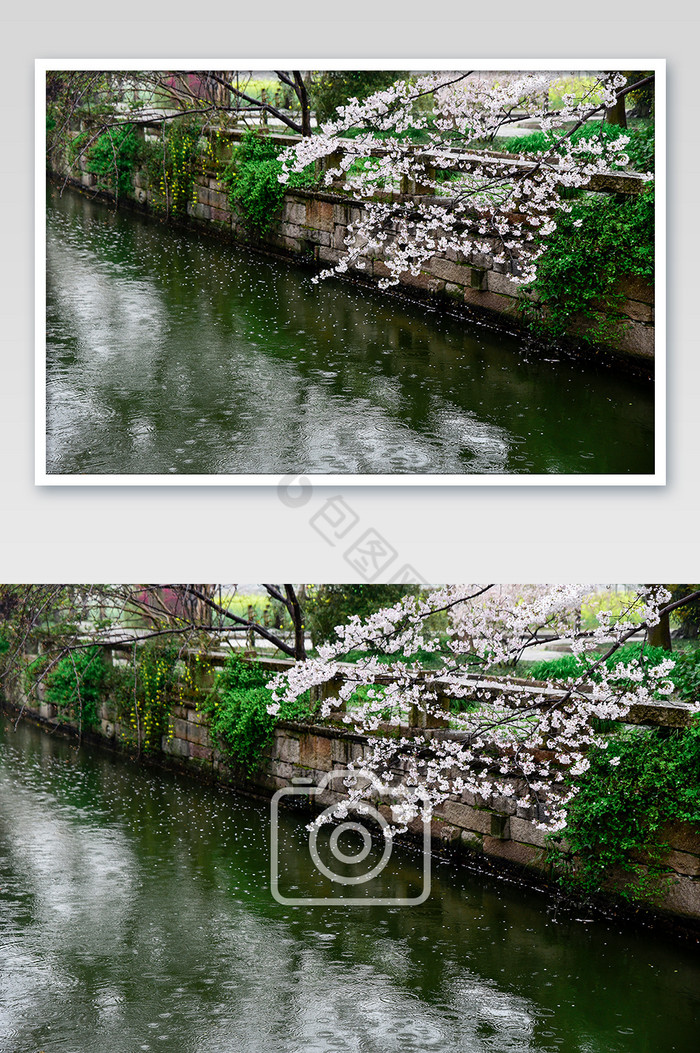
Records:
x=495, y=208
x=505, y=737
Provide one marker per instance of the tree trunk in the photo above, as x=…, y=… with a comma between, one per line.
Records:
x=297, y=617
x=617, y=114
x=303, y=97
x=660, y=635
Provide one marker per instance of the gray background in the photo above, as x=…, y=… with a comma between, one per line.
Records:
x=499, y=532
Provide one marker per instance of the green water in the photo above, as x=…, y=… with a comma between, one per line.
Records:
x=173, y=354
x=135, y=914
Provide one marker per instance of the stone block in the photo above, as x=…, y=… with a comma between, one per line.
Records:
x=341, y=215
x=220, y=215
x=683, y=863
x=316, y=752
x=422, y=281
x=282, y=769
x=287, y=747
x=502, y=804
x=199, y=210
x=175, y=747
x=683, y=897
x=340, y=233
x=457, y=273
x=467, y=818
x=637, y=339
x=500, y=826
x=293, y=245
x=445, y=833
x=636, y=289
x=637, y=311
x=472, y=842
x=198, y=733
x=202, y=753
x=219, y=200
x=291, y=230
x=339, y=751
x=107, y=729
x=501, y=283
x=512, y=851
x=295, y=212
x=527, y=832
x=180, y=728
x=319, y=214
x=196, y=718
x=327, y=254
x=493, y=302
x=684, y=837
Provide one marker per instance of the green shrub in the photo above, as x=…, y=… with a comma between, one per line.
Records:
x=333, y=88
x=643, y=779
x=685, y=676
x=599, y=242
x=237, y=710
x=113, y=158
x=330, y=605
x=252, y=178
x=557, y=668
x=639, y=149
x=76, y=686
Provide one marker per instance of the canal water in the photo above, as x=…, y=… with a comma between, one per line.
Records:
x=135, y=914
x=169, y=353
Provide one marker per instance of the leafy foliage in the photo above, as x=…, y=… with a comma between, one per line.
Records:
x=331, y=605
x=76, y=686
x=642, y=780
x=594, y=246
x=252, y=178
x=685, y=676
x=237, y=711
x=334, y=88
x=639, y=150
x=113, y=158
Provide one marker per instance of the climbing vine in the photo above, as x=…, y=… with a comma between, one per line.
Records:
x=171, y=163
x=149, y=686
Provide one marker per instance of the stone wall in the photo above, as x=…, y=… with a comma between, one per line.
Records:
x=497, y=831
x=313, y=226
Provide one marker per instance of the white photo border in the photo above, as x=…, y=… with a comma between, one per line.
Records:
x=657, y=478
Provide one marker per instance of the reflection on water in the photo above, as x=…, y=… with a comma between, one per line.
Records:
x=168, y=353
x=135, y=914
